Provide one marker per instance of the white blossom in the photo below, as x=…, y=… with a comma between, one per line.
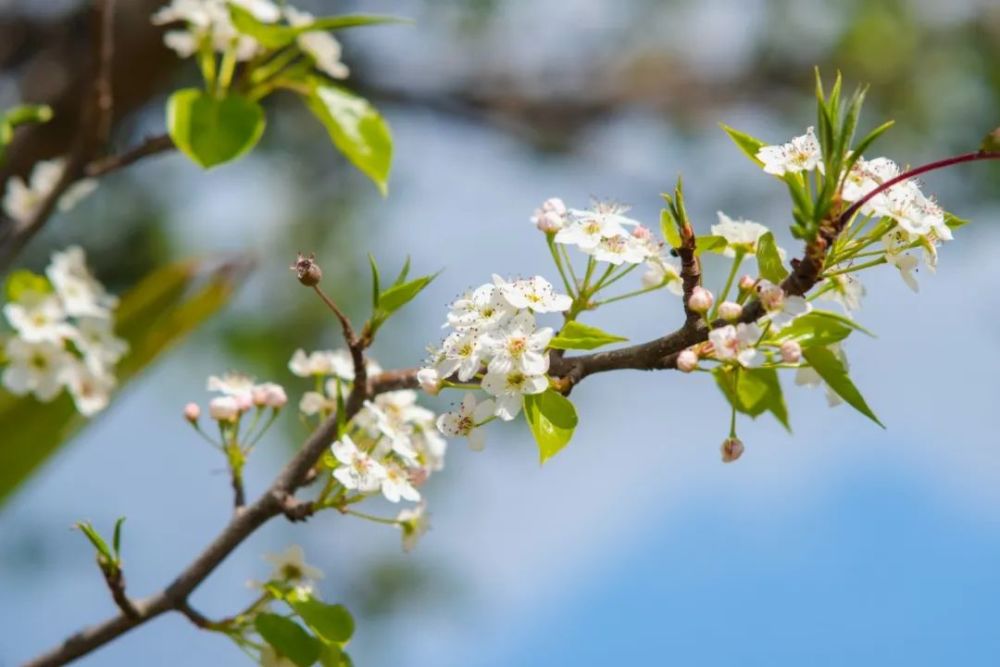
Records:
x=39, y=317
x=740, y=235
x=483, y=309
x=462, y=353
x=520, y=346
x=224, y=408
x=322, y=363
x=89, y=387
x=81, y=294
x=586, y=228
x=847, y=291
x=660, y=271
x=290, y=565
x=95, y=338
x=550, y=217
x=313, y=402
x=466, y=420
x=358, y=470
x=23, y=200
x=209, y=22
x=37, y=368
x=802, y=153
x=320, y=45
x=509, y=388
x=396, y=485
x=737, y=343
x=535, y=293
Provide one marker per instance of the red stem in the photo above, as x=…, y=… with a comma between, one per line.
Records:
x=907, y=175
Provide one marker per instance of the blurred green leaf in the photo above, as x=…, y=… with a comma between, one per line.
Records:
x=23, y=281
x=276, y=36
x=749, y=145
x=356, y=129
x=769, y=259
x=577, y=336
x=288, y=638
x=332, y=623
x=376, y=281
x=815, y=328
x=552, y=419
x=710, y=244
x=668, y=227
x=20, y=115
x=834, y=373
x=211, y=130
x=991, y=142
x=105, y=555
x=753, y=391
x=163, y=308
x=399, y=295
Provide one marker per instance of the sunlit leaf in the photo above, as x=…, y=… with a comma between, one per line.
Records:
x=211, y=130
x=276, y=36
x=552, y=419
x=769, y=259
x=834, y=373
x=577, y=336
x=288, y=638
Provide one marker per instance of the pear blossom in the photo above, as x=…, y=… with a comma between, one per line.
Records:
x=466, y=420
x=620, y=249
x=81, y=293
x=89, y=387
x=462, y=352
x=730, y=311
x=36, y=368
x=39, y=317
x=321, y=363
x=737, y=343
x=740, y=235
x=535, y=293
x=483, y=309
x=313, y=403
x=660, y=271
x=290, y=565
x=791, y=352
x=231, y=384
x=847, y=291
x=429, y=380
x=802, y=153
x=23, y=200
x=587, y=228
x=208, y=21
x=192, y=412
x=95, y=338
x=396, y=485
x=321, y=46
x=224, y=408
x=414, y=522
x=430, y=446
x=687, y=360
x=508, y=388
x=783, y=308
x=701, y=299
x=269, y=395
x=896, y=245
x=358, y=471
x=520, y=346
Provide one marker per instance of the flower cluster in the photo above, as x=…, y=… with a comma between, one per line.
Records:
x=64, y=334
x=23, y=200
x=208, y=24
x=391, y=446
x=496, y=340
x=800, y=154
x=240, y=394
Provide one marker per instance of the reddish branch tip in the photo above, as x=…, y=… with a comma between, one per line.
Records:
x=307, y=270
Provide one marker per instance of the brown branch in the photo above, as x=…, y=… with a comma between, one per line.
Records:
x=115, y=579
x=690, y=270
x=148, y=147
x=104, y=95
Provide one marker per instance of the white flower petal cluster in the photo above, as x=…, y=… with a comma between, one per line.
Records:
x=322, y=47
x=782, y=308
x=661, y=271
x=740, y=235
x=551, y=216
x=23, y=200
x=494, y=327
x=904, y=202
x=847, y=290
x=602, y=231
x=64, y=338
x=737, y=343
x=330, y=369
x=241, y=393
x=800, y=154
x=290, y=566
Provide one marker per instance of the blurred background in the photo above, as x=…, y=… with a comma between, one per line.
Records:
x=839, y=544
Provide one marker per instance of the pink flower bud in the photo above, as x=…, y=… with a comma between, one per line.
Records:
x=642, y=233
x=550, y=216
x=192, y=412
x=687, y=360
x=418, y=476
x=730, y=311
x=274, y=395
x=224, y=409
x=244, y=402
x=791, y=352
x=732, y=449
x=747, y=283
x=771, y=296
x=259, y=396
x=701, y=300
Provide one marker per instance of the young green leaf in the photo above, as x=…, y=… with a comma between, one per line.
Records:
x=577, y=336
x=23, y=281
x=105, y=555
x=668, y=227
x=331, y=622
x=769, y=260
x=715, y=244
x=210, y=130
x=753, y=391
x=288, y=638
x=552, y=419
x=276, y=36
x=376, y=281
x=991, y=142
x=399, y=295
x=116, y=541
x=355, y=128
x=749, y=145
x=403, y=272
x=814, y=329
x=834, y=373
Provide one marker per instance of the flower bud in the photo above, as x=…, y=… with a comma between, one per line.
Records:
x=687, y=360
x=732, y=449
x=550, y=216
x=772, y=297
x=429, y=380
x=642, y=233
x=730, y=311
x=307, y=270
x=747, y=283
x=269, y=395
x=244, y=402
x=192, y=412
x=224, y=409
x=791, y=352
x=701, y=300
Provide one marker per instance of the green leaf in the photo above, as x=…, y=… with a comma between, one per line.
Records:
x=668, y=227
x=552, y=419
x=753, y=391
x=399, y=295
x=210, y=130
x=23, y=282
x=577, y=336
x=20, y=115
x=769, y=260
x=276, y=36
x=105, y=554
x=333, y=656
x=749, y=145
x=116, y=541
x=331, y=622
x=376, y=281
x=403, y=272
x=710, y=244
x=163, y=308
x=288, y=638
x=818, y=328
x=834, y=373
x=954, y=222
x=355, y=128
